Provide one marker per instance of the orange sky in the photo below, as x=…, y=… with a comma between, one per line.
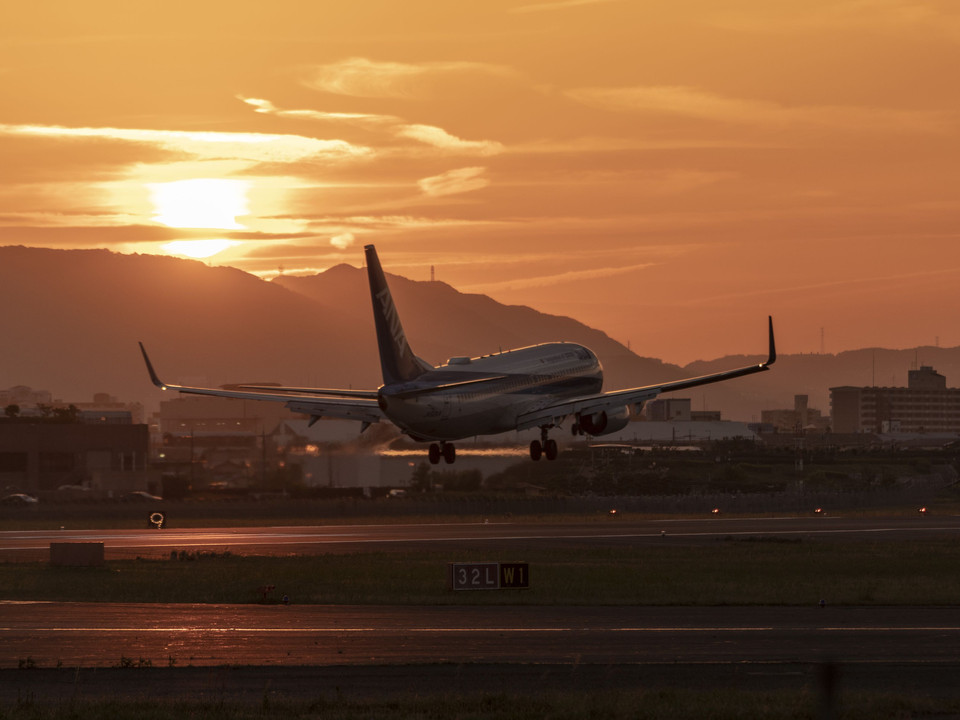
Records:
x=669, y=172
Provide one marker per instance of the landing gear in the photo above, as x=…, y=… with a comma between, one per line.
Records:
x=550, y=449
x=536, y=450
x=545, y=446
x=445, y=450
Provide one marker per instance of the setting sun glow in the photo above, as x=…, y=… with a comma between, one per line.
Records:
x=197, y=249
x=200, y=203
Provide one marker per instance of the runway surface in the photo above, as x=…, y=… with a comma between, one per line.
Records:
x=541, y=648
x=93, y=634
x=34, y=545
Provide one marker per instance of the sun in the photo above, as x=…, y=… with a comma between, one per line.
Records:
x=200, y=203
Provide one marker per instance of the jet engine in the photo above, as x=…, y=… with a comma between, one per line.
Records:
x=603, y=422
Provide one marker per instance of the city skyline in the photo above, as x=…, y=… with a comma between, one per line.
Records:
x=667, y=173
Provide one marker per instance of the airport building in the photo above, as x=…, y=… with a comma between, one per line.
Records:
x=38, y=456
x=926, y=405
x=677, y=410
x=801, y=418
x=24, y=397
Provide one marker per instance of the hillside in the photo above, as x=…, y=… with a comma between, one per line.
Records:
x=72, y=320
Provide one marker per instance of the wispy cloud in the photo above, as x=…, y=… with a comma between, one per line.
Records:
x=266, y=107
x=256, y=147
x=431, y=135
x=705, y=105
x=361, y=77
x=440, y=138
x=453, y=182
x=556, y=279
x=343, y=240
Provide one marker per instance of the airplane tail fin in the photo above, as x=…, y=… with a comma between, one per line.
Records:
x=397, y=360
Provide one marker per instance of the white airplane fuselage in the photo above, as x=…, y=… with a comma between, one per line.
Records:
x=507, y=385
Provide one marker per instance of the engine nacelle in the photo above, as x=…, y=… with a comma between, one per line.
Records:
x=604, y=423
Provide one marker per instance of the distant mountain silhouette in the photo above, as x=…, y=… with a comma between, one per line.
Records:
x=71, y=320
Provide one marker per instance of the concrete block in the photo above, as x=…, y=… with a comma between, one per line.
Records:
x=76, y=553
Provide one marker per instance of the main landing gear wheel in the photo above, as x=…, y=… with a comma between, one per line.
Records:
x=536, y=450
x=445, y=450
x=547, y=447
x=550, y=449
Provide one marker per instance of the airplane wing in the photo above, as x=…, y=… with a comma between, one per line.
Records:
x=617, y=399
x=344, y=404
x=336, y=392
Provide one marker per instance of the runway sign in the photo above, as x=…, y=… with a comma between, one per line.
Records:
x=514, y=575
x=489, y=576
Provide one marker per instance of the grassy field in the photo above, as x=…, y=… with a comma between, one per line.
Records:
x=726, y=572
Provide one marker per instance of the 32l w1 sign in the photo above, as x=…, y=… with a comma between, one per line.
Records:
x=489, y=575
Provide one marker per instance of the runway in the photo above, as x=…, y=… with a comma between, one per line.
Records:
x=100, y=635
x=33, y=545
x=540, y=648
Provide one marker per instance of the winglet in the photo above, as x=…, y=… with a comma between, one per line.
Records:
x=772, y=358
x=154, y=378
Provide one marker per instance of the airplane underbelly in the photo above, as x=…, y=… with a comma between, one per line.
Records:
x=453, y=419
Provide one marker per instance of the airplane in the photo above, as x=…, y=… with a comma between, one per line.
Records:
x=538, y=386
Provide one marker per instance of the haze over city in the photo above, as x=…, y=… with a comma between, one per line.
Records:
x=669, y=173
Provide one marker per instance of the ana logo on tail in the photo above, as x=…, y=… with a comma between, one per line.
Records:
x=393, y=320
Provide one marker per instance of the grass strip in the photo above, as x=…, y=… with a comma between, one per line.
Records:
x=750, y=571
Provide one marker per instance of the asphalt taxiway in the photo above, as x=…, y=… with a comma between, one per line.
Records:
x=33, y=545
